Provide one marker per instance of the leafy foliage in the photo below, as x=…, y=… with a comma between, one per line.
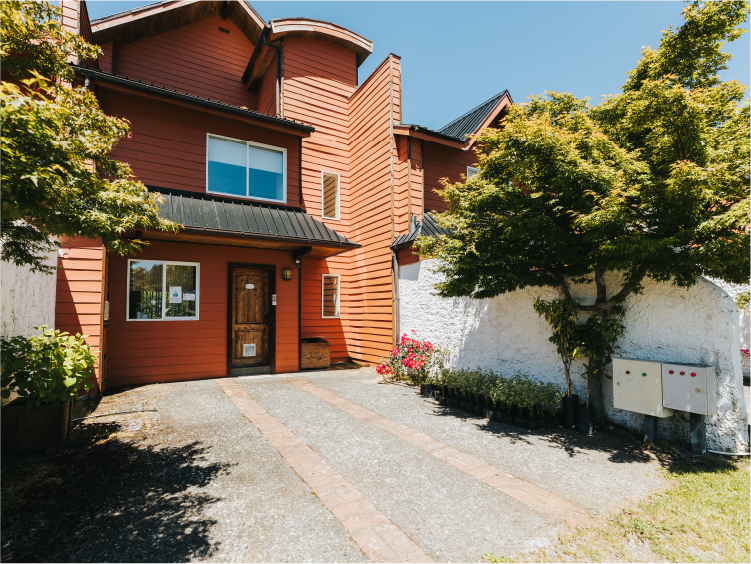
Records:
x=742, y=300
x=49, y=368
x=57, y=177
x=519, y=393
x=562, y=316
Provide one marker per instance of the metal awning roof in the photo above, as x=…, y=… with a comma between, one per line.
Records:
x=427, y=228
x=209, y=214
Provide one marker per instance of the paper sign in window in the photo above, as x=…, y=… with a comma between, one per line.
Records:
x=175, y=294
x=189, y=297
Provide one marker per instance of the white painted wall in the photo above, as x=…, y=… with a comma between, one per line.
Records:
x=745, y=338
x=27, y=300
x=664, y=323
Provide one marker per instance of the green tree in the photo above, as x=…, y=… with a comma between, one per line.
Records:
x=651, y=183
x=58, y=179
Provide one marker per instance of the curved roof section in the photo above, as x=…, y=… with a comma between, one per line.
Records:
x=152, y=19
x=325, y=31
x=467, y=124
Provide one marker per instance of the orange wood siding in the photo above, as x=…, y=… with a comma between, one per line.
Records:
x=319, y=78
x=267, y=90
x=372, y=154
x=80, y=295
x=443, y=162
x=167, y=147
x=105, y=58
x=196, y=58
x=165, y=351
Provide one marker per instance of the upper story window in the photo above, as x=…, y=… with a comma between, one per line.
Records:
x=246, y=169
x=330, y=195
x=472, y=172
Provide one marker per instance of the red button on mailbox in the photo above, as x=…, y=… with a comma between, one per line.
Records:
x=682, y=373
x=693, y=374
x=670, y=371
x=628, y=372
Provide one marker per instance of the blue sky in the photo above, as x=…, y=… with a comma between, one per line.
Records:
x=456, y=55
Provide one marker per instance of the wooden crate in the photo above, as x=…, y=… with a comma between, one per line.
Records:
x=29, y=429
x=316, y=353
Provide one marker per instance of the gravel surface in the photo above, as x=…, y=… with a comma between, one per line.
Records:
x=593, y=472
x=197, y=482
x=451, y=515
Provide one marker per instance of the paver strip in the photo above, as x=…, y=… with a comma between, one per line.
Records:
x=535, y=497
x=379, y=539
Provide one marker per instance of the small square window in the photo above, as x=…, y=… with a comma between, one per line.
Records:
x=472, y=172
x=160, y=290
x=330, y=199
x=330, y=301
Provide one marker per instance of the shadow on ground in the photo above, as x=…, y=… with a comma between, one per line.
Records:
x=111, y=501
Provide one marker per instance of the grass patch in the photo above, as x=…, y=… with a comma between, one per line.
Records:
x=703, y=516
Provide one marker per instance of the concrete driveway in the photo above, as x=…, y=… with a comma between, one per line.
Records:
x=329, y=466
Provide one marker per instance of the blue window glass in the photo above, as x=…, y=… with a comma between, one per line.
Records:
x=265, y=173
x=237, y=168
x=227, y=163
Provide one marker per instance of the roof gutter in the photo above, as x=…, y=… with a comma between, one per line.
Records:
x=175, y=95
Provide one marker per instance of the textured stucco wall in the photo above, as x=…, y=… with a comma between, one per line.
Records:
x=745, y=338
x=664, y=323
x=27, y=299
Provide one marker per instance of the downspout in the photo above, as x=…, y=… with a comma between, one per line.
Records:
x=422, y=178
x=395, y=266
x=409, y=178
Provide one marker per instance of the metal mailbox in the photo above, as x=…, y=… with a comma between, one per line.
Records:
x=637, y=386
x=689, y=387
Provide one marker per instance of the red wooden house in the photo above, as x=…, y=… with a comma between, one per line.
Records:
x=298, y=186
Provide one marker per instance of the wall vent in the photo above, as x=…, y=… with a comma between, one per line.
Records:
x=223, y=30
x=249, y=350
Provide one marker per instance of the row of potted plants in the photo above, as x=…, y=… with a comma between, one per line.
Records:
x=518, y=400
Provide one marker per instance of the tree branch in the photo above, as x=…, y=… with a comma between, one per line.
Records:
x=602, y=294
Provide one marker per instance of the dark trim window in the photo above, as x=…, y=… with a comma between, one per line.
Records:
x=330, y=295
x=330, y=195
x=472, y=172
x=245, y=169
x=162, y=290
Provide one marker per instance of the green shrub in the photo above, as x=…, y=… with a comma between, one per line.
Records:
x=519, y=393
x=49, y=368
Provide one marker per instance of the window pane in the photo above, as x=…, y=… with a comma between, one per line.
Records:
x=181, y=290
x=145, y=297
x=331, y=296
x=227, y=162
x=265, y=173
x=330, y=200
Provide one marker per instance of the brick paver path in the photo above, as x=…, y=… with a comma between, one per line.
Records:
x=538, y=499
x=378, y=538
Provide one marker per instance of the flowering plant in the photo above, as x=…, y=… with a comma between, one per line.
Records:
x=745, y=352
x=411, y=359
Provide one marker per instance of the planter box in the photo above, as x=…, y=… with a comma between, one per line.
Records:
x=316, y=353
x=31, y=429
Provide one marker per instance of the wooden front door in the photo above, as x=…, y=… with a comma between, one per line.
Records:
x=250, y=319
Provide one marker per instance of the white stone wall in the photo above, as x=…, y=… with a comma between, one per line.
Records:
x=664, y=323
x=745, y=338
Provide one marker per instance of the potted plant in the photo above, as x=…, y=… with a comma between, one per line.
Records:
x=47, y=372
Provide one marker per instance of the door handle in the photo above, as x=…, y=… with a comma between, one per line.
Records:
x=266, y=318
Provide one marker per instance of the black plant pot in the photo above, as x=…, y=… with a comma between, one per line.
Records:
x=477, y=409
x=429, y=391
x=533, y=424
x=510, y=419
x=586, y=420
x=500, y=416
x=570, y=404
x=422, y=389
x=488, y=414
x=463, y=405
x=442, y=399
x=520, y=421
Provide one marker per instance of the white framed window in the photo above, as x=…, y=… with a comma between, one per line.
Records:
x=330, y=295
x=329, y=195
x=245, y=169
x=162, y=290
x=472, y=172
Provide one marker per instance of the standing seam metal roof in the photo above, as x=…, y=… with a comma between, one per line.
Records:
x=216, y=214
x=427, y=228
x=467, y=124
